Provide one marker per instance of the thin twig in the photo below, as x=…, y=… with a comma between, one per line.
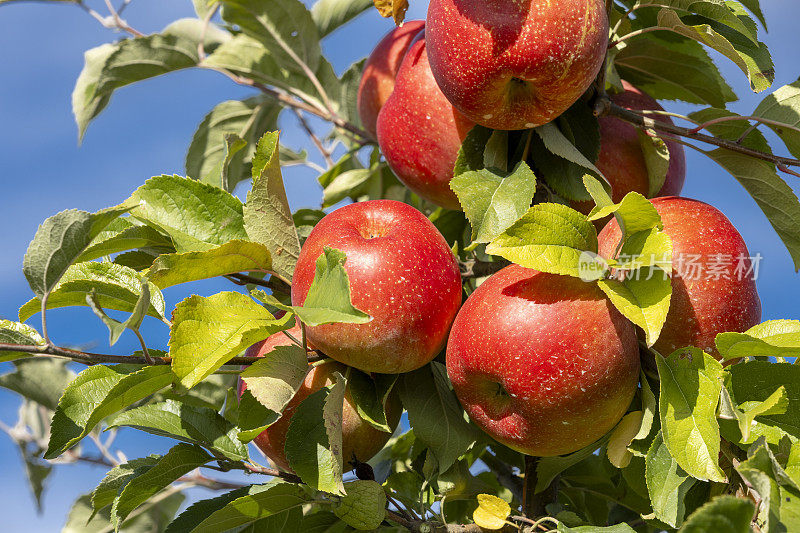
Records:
x=145, y=351
x=295, y=103
x=117, y=22
x=326, y=154
x=604, y=106
x=767, y=121
x=89, y=358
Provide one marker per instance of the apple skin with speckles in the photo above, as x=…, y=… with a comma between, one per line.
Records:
x=420, y=132
x=380, y=71
x=518, y=64
x=402, y=273
x=358, y=436
x=701, y=306
x=542, y=363
x=621, y=158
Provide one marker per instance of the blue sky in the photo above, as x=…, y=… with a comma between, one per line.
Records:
x=145, y=132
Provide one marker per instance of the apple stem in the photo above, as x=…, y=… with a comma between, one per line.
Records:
x=532, y=506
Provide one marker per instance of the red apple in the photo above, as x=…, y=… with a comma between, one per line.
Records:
x=420, y=132
x=401, y=272
x=358, y=436
x=542, y=363
x=517, y=64
x=380, y=70
x=711, y=289
x=621, y=158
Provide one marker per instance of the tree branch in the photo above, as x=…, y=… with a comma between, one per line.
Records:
x=271, y=283
x=505, y=475
x=294, y=103
x=423, y=526
x=89, y=358
x=605, y=107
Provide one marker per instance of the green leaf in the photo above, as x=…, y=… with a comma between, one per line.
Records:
x=783, y=106
x=207, y=332
x=219, y=175
x=195, y=215
x=121, y=235
x=673, y=69
x=17, y=333
x=752, y=58
x=267, y=217
x=667, y=483
x=111, y=66
x=363, y=506
x=621, y=437
x=328, y=298
x=435, y=414
x=717, y=10
x=275, y=499
x=253, y=418
x=229, y=258
x=618, y=528
x=555, y=141
x=570, y=145
x=470, y=155
x=97, y=393
x=346, y=184
x=37, y=472
x=634, y=213
x=779, y=493
x=370, y=393
x=41, y=380
x=656, y=158
x=314, y=439
x=133, y=322
x=649, y=408
x=549, y=238
x=201, y=509
x=774, y=338
x=115, y=286
x=329, y=15
x=284, y=27
x=178, y=461
x=247, y=119
x=549, y=467
x=195, y=425
x=58, y=243
x=645, y=302
x=115, y=479
x=691, y=381
x=756, y=381
x=723, y=513
x=772, y=194
x=154, y=516
x=275, y=379
x=745, y=414
x=247, y=57
x=492, y=202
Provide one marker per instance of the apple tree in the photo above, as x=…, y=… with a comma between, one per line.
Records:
x=513, y=322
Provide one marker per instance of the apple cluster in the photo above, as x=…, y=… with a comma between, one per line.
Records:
x=543, y=363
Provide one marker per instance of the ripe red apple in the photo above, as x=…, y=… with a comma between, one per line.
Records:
x=542, y=363
x=512, y=65
x=711, y=290
x=420, y=132
x=401, y=272
x=621, y=158
x=380, y=70
x=358, y=436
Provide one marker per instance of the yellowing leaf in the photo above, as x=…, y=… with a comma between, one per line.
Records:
x=491, y=512
x=621, y=438
x=395, y=9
